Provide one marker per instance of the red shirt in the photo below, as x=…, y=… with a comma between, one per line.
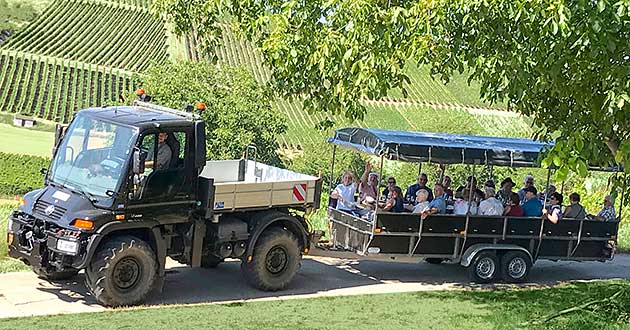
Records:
x=516, y=211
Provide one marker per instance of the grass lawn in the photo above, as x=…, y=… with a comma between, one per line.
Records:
x=7, y=264
x=25, y=141
x=508, y=309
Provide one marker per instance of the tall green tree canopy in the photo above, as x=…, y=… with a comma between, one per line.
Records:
x=564, y=63
x=238, y=111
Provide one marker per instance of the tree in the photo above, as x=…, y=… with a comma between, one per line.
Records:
x=564, y=63
x=238, y=111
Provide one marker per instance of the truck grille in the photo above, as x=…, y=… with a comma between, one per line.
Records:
x=40, y=209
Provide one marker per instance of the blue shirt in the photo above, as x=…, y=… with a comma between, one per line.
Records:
x=532, y=207
x=438, y=203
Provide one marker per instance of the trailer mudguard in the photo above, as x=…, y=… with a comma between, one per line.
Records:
x=472, y=251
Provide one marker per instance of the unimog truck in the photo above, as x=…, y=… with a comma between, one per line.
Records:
x=129, y=186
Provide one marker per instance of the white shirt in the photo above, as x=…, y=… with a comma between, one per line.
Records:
x=347, y=193
x=461, y=207
x=420, y=207
x=490, y=206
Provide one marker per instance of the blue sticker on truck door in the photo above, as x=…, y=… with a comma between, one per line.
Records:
x=219, y=205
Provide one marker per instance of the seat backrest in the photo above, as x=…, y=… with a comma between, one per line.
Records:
x=174, y=144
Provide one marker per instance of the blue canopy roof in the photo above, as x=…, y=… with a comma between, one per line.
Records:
x=440, y=147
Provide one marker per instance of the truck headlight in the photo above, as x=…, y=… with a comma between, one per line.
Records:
x=68, y=246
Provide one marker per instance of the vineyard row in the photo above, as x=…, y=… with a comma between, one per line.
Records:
x=54, y=89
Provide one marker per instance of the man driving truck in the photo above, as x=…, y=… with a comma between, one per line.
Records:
x=164, y=154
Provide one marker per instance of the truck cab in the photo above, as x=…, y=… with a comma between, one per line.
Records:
x=127, y=187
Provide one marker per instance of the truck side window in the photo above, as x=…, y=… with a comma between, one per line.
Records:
x=148, y=145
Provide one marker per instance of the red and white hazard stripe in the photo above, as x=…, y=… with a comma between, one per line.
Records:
x=299, y=192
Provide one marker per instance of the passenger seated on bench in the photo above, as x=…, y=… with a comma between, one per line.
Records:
x=446, y=183
x=410, y=195
x=554, y=214
x=503, y=195
x=421, y=202
x=391, y=183
x=608, y=212
x=462, y=201
x=471, y=181
x=368, y=187
x=529, y=182
x=575, y=210
x=514, y=209
x=394, y=202
x=532, y=206
x=542, y=196
x=490, y=205
x=344, y=193
x=438, y=204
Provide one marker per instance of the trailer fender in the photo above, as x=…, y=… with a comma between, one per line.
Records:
x=472, y=251
x=153, y=232
x=269, y=219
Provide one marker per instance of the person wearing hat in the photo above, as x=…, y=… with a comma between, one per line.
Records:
x=503, y=195
x=529, y=182
x=608, y=212
x=532, y=207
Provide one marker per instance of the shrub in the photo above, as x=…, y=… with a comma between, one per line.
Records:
x=20, y=173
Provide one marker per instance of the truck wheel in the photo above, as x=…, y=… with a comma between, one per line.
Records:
x=515, y=266
x=275, y=261
x=55, y=275
x=434, y=261
x=210, y=261
x=484, y=267
x=122, y=272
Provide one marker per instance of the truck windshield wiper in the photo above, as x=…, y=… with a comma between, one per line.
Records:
x=86, y=194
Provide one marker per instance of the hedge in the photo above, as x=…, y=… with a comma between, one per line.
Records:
x=20, y=173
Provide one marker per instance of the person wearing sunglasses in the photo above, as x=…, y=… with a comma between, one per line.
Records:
x=554, y=213
x=608, y=211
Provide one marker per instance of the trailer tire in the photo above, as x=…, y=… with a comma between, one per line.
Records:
x=434, y=261
x=122, y=272
x=210, y=261
x=275, y=261
x=55, y=275
x=484, y=267
x=515, y=266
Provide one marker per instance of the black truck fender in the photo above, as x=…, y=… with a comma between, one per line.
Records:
x=149, y=230
x=273, y=218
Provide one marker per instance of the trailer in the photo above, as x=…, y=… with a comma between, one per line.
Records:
x=129, y=186
x=490, y=247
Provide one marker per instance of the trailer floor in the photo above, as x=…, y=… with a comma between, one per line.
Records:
x=23, y=294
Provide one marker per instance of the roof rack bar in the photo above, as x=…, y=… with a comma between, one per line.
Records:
x=159, y=108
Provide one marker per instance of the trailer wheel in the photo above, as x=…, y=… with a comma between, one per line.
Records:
x=122, y=272
x=434, y=261
x=210, y=261
x=515, y=266
x=275, y=261
x=484, y=267
x=55, y=275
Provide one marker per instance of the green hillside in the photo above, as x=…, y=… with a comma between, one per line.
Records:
x=76, y=54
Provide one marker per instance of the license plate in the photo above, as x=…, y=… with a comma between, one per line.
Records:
x=9, y=238
x=67, y=246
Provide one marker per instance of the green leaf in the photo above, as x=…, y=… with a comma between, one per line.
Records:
x=294, y=53
x=347, y=54
x=562, y=173
x=601, y=5
x=582, y=168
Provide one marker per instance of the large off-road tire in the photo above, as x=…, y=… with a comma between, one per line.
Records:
x=122, y=272
x=210, y=261
x=55, y=275
x=484, y=268
x=515, y=266
x=275, y=261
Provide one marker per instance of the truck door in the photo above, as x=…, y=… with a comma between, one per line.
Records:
x=166, y=189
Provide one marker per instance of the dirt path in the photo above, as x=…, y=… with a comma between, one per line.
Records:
x=23, y=294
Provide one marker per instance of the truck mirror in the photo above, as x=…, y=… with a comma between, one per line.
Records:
x=139, y=158
x=200, y=144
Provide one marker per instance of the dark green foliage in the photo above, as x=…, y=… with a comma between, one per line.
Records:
x=238, y=111
x=20, y=173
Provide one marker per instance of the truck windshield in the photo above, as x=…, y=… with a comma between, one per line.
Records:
x=92, y=156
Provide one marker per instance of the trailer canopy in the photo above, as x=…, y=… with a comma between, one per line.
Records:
x=441, y=148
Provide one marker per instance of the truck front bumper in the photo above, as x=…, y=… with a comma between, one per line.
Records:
x=41, y=244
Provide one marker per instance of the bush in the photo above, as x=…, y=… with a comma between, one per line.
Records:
x=20, y=173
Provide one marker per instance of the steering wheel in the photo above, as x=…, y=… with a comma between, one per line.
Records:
x=109, y=166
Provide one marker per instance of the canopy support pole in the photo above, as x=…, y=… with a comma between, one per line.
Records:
x=547, y=188
x=419, y=168
x=470, y=191
x=623, y=194
x=332, y=168
x=378, y=190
